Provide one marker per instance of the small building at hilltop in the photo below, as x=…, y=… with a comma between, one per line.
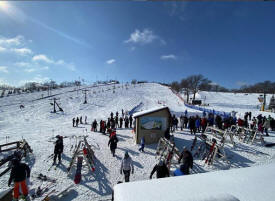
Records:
x=151, y=124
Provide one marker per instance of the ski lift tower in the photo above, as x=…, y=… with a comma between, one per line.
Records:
x=85, y=92
x=56, y=104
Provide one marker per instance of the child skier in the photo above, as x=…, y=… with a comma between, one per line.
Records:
x=19, y=173
x=142, y=144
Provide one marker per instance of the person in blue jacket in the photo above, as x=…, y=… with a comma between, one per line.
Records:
x=142, y=144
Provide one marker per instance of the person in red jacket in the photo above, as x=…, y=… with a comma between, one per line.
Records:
x=19, y=173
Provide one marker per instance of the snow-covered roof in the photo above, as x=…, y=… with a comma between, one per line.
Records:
x=253, y=184
x=141, y=113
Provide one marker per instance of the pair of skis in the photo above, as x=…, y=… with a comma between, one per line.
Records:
x=210, y=154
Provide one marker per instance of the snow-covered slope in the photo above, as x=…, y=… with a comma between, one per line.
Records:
x=39, y=126
x=227, y=102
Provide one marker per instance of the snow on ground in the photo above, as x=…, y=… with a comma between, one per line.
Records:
x=240, y=102
x=39, y=126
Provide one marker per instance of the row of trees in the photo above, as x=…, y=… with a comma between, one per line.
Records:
x=194, y=83
x=261, y=87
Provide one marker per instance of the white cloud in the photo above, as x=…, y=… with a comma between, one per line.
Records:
x=170, y=56
x=42, y=57
x=16, y=41
x=30, y=70
x=143, y=37
x=37, y=78
x=22, y=51
x=22, y=64
x=45, y=68
x=2, y=49
x=110, y=61
x=4, y=69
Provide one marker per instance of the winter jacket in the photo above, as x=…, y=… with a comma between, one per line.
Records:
x=19, y=172
x=266, y=124
x=198, y=122
x=127, y=164
x=58, y=149
x=113, y=142
x=162, y=171
x=187, y=158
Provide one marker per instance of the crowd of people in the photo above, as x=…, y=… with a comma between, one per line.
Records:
x=198, y=124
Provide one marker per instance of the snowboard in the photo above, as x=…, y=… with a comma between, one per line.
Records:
x=77, y=177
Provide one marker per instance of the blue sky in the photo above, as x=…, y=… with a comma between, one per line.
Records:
x=231, y=43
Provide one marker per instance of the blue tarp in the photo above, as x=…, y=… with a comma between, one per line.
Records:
x=135, y=108
x=215, y=112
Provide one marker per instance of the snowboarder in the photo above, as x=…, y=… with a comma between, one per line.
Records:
x=142, y=144
x=19, y=173
x=161, y=169
x=58, y=149
x=77, y=121
x=127, y=166
x=113, y=144
x=187, y=160
x=73, y=121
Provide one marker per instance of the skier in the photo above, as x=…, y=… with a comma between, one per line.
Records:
x=181, y=122
x=192, y=125
x=112, y=115
x=126, y=122
x=95, y=126
x=116, y=121
x=161, y=169
x=120, y=122
x=85, y=119
x=113, y=144
x=19, y=173
x=131, y=120
x=266, y=125
x=126, y=166
x=142, y=144
x=117, y=114
x=80, y=120
x=77, y=121
x=122, y=112
x=73, y=121
x=187, y=159
x=167, y=134
x=198, y=124
x=58, y=149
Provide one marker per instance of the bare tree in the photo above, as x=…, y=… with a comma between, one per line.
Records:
x=195, y=81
